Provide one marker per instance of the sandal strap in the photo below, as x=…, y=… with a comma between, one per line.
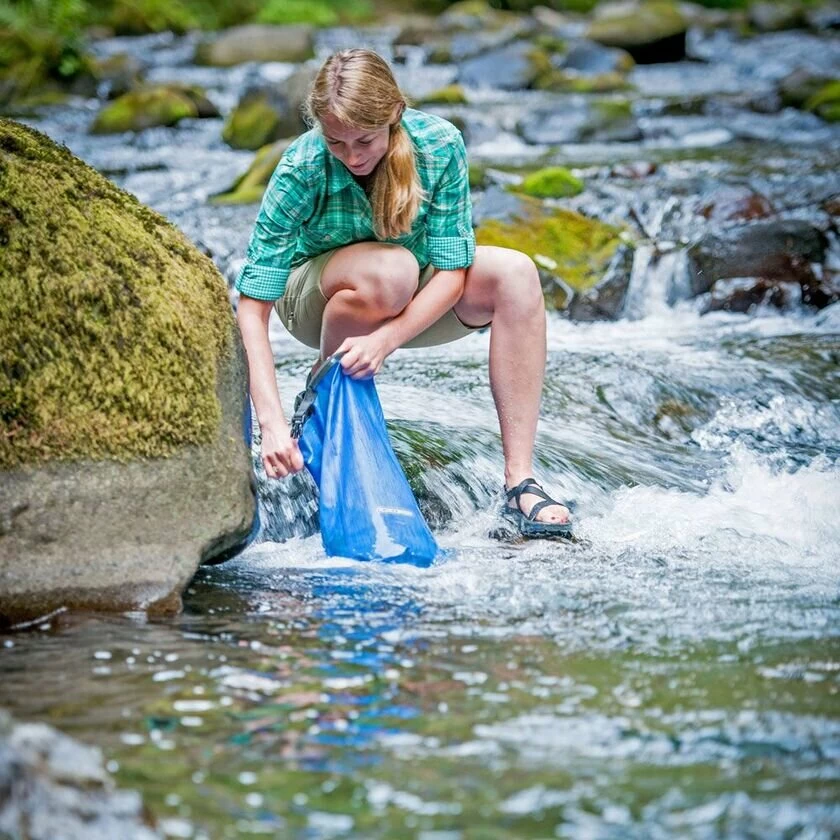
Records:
x=516, y=492
x=532, y=487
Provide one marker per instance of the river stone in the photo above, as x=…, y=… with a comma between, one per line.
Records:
x=52, y=786
x=730, y=203
x=591, y=59
x=775, y=17
x=581, y=120
x=573, y=253
x=509, y=68
x=158, y=105
x=775, y=250
x=257, y=42
x=122, y=385
x=269, y=112
x=744, y=294
x=650, y=31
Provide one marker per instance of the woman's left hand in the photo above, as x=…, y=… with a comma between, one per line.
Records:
x=364, y=355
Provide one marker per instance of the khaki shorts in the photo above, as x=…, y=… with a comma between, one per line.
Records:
x=301, y=308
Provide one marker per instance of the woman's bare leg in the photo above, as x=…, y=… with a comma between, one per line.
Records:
x=365, y=285
x=503, y=287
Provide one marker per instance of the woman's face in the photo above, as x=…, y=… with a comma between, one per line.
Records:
x=358, y=150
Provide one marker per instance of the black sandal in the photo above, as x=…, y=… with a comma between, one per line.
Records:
x=528, y=525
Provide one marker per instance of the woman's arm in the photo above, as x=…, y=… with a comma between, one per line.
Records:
x=280, y=453
x=364, y=355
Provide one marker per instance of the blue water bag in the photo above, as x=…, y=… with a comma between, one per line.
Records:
x=366, y=507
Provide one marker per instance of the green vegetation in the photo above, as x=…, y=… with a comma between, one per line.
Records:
x=112, y=324
x=315, y=12
x=552, y=182
x=251, y=125
x=576, y=248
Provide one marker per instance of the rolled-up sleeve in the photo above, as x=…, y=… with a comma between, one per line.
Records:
x=273, y=240
x=449, y=230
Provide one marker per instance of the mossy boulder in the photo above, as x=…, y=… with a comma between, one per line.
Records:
x=249, y=187
x=573, y=252
x=449, y=95
x=148, y=107
x=651, y=32
x=257, y=42
x=140, y=17
x=551, y=182
x=266, y=114
x=122, y=462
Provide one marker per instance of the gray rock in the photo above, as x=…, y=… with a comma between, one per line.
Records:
x=650, y=32
x=257, y=42
x=743, y=294
x=577, y=121
x=774, y=17
x=590, y=59
x=605, y=301
x=507, y=68
x=775, y=250
x=54, y=788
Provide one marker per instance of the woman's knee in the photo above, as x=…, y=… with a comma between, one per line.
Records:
x=387, y=280
x=514, y=279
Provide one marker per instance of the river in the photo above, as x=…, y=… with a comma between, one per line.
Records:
x=672, y=673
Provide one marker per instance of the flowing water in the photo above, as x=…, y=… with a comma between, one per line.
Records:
x=672, y=673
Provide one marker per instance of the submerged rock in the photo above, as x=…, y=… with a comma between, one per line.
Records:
x=122, y=386
x=52, y=786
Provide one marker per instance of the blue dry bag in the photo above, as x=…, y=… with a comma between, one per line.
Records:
x=366, y=507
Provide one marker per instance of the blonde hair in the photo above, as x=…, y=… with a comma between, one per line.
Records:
x=358, y=88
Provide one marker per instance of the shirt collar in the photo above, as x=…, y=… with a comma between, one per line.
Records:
x=338, y=175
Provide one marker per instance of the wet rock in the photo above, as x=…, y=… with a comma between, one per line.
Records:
x=257, y=42
x=744, y=294
x=161, y=105
x=118, y=74
x=270, y=112
x=651, y=32
x=824, y=17
x=574, y=253
x=52, y=786
x=508, y=68
x=475, y=15
x=590, y=59
x=249, y=187
x=798, y=87
x=734, y=203
x=581, y=120
x=635, y=170
x=774, y=250
x=605, y=300
x=775, y=17
x=122, y=464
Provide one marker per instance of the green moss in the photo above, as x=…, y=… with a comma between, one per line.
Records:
x=577, y=249
x=249, y=188
x=111, y=323
x=251, y=125
x=449, y=95
x=552, y=182
x=144, y=109
x=565, y=81
x=826, y=101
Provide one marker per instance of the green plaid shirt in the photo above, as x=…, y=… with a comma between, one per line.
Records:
x=313, y=204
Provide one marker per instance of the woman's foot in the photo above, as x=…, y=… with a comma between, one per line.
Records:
x=536, y=513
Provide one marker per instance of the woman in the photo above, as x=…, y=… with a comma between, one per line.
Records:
x=364, y=243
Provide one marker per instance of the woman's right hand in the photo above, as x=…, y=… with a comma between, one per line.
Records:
x=280, y=452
